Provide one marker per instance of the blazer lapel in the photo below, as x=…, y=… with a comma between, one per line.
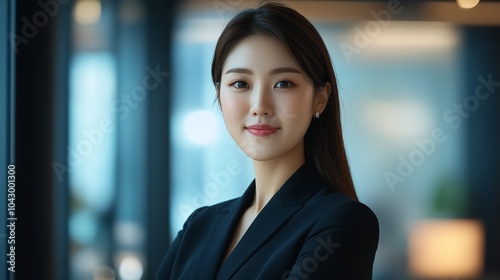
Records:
x=284, y=204
x=221, y=233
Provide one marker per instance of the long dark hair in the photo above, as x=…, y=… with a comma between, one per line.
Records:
x=323, y=141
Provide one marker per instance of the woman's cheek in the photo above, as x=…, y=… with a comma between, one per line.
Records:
x=293, y=108
x=233, y=107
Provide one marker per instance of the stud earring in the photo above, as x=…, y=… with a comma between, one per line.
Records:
x=316, y=115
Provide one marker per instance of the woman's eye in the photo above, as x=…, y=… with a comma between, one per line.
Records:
x=240, y=84
x=284, y=84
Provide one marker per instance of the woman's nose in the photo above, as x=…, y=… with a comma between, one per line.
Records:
x=262, y=103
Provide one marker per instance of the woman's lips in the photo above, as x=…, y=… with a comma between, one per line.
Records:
x=261, y=129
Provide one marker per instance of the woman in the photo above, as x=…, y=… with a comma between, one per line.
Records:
x=300, y=218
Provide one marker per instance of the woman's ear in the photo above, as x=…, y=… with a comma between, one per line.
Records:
x=322, y=97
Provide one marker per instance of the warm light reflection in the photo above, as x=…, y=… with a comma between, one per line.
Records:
x=446, y=248
x=412, y=35
x=87, y=12
x=467, y=4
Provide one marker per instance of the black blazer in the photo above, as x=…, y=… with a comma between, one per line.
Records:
x=306, y=231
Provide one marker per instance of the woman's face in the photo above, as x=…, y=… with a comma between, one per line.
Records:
x=267, y=100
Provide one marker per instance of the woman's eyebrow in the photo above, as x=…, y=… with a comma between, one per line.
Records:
x=239, y=70
x=285, y=70
x=272, y=72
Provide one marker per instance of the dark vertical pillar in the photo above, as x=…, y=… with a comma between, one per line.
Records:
x=482, y=64
x=161, y=18
x=40, y=132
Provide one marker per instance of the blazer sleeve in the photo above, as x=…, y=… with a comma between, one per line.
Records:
x=165, y=269
x=341, y=245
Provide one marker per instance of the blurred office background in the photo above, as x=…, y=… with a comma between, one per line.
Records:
x=107, y=110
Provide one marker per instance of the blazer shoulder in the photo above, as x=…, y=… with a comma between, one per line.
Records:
x=335, y=209
x=354, y=213
x=212, y=210
x=345, y=231
x=351, y=216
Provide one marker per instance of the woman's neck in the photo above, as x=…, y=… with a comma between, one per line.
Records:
x=272, y=174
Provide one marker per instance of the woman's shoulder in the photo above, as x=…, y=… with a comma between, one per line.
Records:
x=335, y=210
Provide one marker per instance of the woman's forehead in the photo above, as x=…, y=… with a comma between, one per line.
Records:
x=259, y=53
